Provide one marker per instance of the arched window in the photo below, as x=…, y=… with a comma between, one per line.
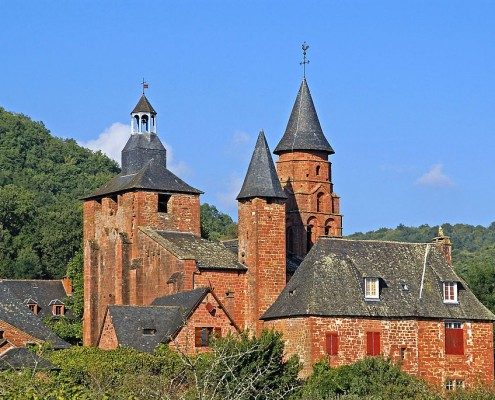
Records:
x=311, y=228
x=329, y=227
x=319, y=202
x=144, y=123
x=136, y=123
x=317, y=170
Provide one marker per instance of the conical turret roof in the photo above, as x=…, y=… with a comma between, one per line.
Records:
x=261, y=178
x=303, y=130
x=143, y=106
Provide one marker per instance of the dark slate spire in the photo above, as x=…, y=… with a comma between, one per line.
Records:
x=261, y=179
x=144, y=106
x=303, y=131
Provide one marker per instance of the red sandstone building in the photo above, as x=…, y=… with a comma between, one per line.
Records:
x=150, y=278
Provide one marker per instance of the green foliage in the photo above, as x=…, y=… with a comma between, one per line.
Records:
x=67, y=329
x=74, y=272
x=248, y=367
x=372, y=377
x=42, y=179
x=216, y=225
x=473, y=252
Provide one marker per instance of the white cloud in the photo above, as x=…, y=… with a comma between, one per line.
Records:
x=113, y=139
x=435, y=177
x=227, y=199
x=240, y=138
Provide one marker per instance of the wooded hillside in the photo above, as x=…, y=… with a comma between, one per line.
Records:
x=42, y=179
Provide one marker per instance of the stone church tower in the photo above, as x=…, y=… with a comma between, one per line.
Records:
x=117, y=268
x=306, y=176
x=261, y=233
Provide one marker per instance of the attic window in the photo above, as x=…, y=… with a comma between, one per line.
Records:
x=1, y=334
x=371, y=288
x=450, y=292
x=163, y=202
x=35, y=308
x=58, y=309
x=149, y=331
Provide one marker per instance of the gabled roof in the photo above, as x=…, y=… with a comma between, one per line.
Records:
x=13, y=312
x=261, y=178
x=130, y=321
x=153, y=176
x=186, y=246
x=303, y=130
x=18, y=358
x=166, y=316
x=185, y=301
x=143, y=106
x=36, y=291
x=330, y=282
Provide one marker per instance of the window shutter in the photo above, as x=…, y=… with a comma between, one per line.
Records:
x=454, y=341
x=372, y=343
x=197, y=337
x=332, y=344
x=218, y=332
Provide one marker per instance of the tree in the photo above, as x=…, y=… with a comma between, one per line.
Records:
x=216, y=225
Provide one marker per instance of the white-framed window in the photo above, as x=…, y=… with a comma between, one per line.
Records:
x=453, y=384
x=371, y=288
x=450, y=292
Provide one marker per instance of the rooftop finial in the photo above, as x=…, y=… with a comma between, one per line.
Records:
x=144, y=84
x=305, y=61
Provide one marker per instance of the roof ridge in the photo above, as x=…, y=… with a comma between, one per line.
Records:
x=372, y=240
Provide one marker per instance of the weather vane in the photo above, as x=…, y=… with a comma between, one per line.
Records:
x=145, y=85
x=305, y=61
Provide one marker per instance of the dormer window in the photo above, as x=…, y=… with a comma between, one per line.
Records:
x=371, y=288
x=450, y=292
x=58, y=310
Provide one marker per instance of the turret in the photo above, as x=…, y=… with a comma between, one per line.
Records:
x=261, y=233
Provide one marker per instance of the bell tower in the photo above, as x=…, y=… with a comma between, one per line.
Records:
x=305, y=172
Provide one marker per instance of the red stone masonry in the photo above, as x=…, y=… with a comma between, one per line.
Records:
x=307, y=179
x=114, y=256
x=419, y=345
x=261, y=233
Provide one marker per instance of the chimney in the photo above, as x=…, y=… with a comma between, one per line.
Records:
x=444, y=244
x=66, y=282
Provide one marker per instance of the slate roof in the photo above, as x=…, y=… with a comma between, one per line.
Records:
x=153, y=176
x=186, y=246
x=13, y=312
x=167, y=315
x=17, y=358
x=330, y=280
x=261, y=178
x=129, y=322
x=185, y=301
x=139, y=150
x=144, y=106
x=303, y=130
x=42, y=292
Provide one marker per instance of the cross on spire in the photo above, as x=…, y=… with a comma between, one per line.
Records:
x=144, y=84
x=305, y=61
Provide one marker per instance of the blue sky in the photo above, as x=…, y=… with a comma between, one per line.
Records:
x=404, y=90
